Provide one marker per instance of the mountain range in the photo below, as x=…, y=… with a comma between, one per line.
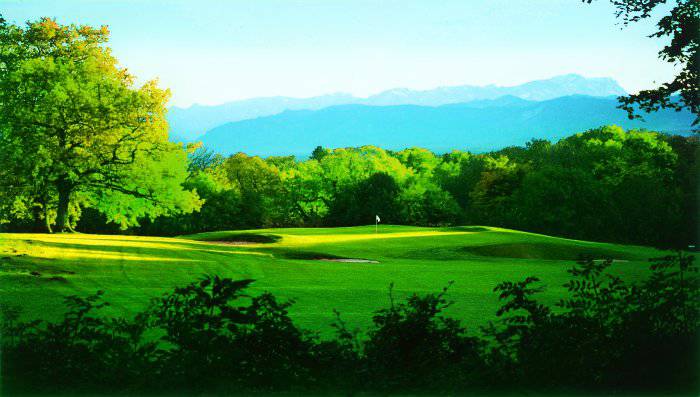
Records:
x=478, y=125
x=474, y=118
x=187, y=124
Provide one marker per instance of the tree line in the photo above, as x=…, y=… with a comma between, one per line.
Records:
x=606, y=184
x=606, y=336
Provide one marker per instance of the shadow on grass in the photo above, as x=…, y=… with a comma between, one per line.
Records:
x=468, y=229
x=319, y=256
x=306, y=255
x=245, y=238
x=544, y=251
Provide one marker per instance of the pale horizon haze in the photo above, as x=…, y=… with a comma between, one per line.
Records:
x=211, y=52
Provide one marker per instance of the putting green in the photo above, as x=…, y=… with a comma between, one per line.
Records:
x=37, y=270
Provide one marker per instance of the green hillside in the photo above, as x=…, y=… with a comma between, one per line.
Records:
x=311, y=266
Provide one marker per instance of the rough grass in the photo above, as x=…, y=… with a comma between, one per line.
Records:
x=36, y=270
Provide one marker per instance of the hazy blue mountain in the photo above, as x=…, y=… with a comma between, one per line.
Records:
x=540, y=90
x=476, y=126
x=188, y=124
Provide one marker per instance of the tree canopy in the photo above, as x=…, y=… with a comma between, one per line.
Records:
x=77, y=132
x=602, y=184
x=682, y=26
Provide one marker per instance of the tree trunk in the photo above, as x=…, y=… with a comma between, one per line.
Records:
x=45, y=210
x=64, y=192
x=48, y=222
x=38, y=225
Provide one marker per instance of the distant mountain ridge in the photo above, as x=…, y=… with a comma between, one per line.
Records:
x=539, y=90
x=188, y=124
x=480, y=125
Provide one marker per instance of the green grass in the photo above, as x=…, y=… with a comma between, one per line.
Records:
x=134, y=269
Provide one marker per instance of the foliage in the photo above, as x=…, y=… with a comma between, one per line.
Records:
x=210, y=336
x=606, y=184
x=378, y=194
x=76, y=132
x=413, y=347
x=682, y=26
x=616, y=336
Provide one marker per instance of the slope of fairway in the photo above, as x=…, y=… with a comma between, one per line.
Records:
x=348, y=269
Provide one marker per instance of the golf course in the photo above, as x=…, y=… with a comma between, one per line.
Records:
x=348, y=269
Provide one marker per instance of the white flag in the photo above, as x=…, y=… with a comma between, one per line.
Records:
x=377, y=218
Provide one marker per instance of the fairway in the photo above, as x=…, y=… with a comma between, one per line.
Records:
x=348, y=269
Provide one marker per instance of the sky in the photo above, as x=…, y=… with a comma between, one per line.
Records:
x=209, y=52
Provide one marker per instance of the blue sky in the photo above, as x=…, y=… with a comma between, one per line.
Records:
x=210, y=52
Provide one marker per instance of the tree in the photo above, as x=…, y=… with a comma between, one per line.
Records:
x=421, y=161
x=319, y=153
x=457, y=174
x=491, y=197
x=682, y=25
x=73, y=123
x=257, y=182
x=251, y=173
x=605, y=183
x=200, y=159
x=358, y=204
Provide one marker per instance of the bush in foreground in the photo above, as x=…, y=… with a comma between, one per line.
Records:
x=606, y=336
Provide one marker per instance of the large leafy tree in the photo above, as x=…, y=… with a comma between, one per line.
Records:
x=75, y=127
x=682, y=26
